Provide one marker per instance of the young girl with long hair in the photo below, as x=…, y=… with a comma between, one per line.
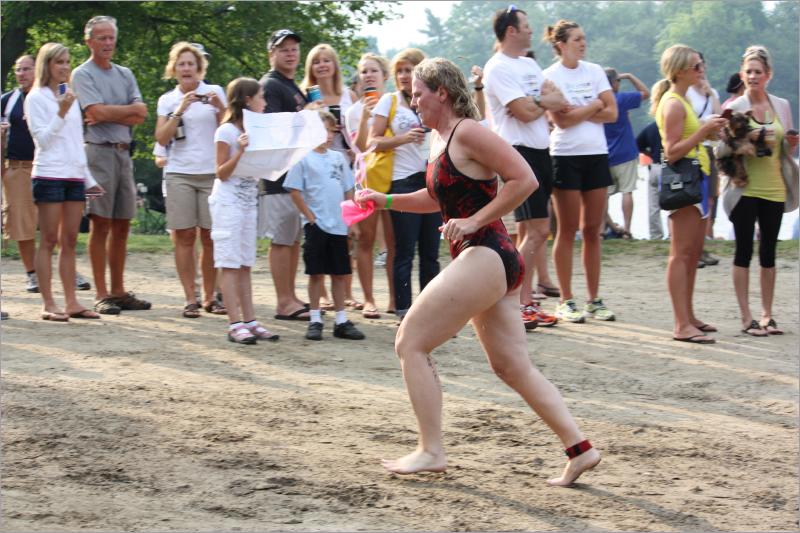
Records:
x=233, y=205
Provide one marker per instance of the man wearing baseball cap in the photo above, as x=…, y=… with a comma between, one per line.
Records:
x=279, y=219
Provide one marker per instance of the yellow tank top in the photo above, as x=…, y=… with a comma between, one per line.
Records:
x=690, y=125
x=764, y=178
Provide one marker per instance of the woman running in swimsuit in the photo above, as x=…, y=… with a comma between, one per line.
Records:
x=461, y=183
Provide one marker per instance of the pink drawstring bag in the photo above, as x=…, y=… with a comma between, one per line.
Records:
x=352, y=212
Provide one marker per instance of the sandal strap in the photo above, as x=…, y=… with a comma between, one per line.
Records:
x=241, y=332
x=577, y=449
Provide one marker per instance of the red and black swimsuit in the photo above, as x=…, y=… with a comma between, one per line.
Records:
x=460, y=196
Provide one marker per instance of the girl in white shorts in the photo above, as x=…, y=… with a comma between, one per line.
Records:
x=233, y=205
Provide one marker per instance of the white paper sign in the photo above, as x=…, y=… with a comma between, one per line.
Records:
x=278, y=141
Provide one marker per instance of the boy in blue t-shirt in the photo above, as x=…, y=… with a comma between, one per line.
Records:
x=318, y=184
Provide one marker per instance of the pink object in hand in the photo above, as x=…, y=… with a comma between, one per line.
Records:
x=352, y=212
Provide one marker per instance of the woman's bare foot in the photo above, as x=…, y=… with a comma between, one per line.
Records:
x=418, y=461
x=575, y=467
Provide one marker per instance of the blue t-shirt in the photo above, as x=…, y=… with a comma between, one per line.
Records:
x=323, y=179
x=20, y=142
x=619, y=135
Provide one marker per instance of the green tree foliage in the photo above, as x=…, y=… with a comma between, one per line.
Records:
x=234, y=33
x=631, y=35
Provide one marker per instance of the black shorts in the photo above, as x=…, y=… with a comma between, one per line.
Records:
x=325, y=253
x=581, y=172
x=56, y=191
x=535, y=206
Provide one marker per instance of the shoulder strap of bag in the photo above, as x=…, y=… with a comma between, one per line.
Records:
x=705, y=106
x=390, y=118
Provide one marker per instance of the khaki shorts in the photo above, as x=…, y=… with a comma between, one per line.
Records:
x=279, y=219
x=624, y=176
x=112, y=168
x=19, y=211
x=187, y=200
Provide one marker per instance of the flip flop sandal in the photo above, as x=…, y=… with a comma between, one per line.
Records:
x=354, y=305
x=263, y=334
x=549, y=291
x=775, y=329
x=215, y=308
x=191, y=310
x=752, y=328
x=295, y=315
x=707, y=328
x=371, y=312
x=85, y=313
x=55, y=317
x=694, y=339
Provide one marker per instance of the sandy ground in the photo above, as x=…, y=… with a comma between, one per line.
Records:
x=149, y=421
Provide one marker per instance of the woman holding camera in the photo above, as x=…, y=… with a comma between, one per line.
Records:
x=188, y=116
x=682, y=135
x=411, y=230
x=771, y=188
x=60, y=177
x=373, y=72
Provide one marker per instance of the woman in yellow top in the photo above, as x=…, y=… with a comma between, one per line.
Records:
x=769, y=192
x=681, y=136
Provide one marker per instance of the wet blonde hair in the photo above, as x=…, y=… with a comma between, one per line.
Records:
x=439, y=72
x=176, y=51
x=309, y=79
x=559, y=33
x=47, y=53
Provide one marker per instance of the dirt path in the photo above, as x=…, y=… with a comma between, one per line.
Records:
x=149, y=421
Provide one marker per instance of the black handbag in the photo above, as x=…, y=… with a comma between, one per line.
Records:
x=681, y=184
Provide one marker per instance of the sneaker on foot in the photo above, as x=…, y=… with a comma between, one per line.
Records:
x=129, y=302
x=107, y=306
x=569, y=311
x=33, y=283
x=347, y=330
x=81, y=283
x=380, y=259
x=709, y=259
x=314, y=331
x=535, y=312
x=597, y=309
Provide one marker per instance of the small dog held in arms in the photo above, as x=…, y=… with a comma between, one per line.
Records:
x=741, y=140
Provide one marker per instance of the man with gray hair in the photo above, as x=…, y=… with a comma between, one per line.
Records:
x=112, y=104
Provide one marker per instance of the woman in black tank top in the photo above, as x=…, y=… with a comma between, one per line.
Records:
x=481, y=283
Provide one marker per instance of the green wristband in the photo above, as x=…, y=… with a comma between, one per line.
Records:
x=388, y=204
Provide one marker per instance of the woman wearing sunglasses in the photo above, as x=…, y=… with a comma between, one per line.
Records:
x=682, y=135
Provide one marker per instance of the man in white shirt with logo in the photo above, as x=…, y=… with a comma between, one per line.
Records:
x=518, y=96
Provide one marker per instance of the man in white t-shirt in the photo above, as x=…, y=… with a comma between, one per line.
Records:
x=705, y=102
x=518, y=96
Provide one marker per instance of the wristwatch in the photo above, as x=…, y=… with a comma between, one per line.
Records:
x=537, y=101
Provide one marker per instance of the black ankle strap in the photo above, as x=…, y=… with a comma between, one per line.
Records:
x=577, y=449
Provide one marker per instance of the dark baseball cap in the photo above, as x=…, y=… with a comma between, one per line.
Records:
x=277, y=38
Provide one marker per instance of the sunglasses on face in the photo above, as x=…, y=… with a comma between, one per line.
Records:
x=698, y=67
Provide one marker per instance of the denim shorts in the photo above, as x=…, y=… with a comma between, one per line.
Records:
x=57, y=190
